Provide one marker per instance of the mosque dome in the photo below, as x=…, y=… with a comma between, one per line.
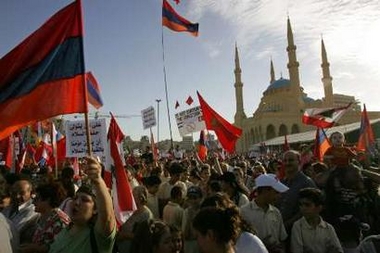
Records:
x=307, y=99
x=282, y=82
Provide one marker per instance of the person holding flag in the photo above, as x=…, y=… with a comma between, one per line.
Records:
x=93, y=221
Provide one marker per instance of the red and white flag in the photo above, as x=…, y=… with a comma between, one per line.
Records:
x=324, y=117
x=115, y=175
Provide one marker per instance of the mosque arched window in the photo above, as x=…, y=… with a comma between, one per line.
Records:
x=271, y=132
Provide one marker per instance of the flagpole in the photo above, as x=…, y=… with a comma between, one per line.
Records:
x=166, y=88
x=54, y=146
x=86, y=121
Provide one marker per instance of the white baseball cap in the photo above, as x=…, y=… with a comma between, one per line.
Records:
x=270, y=180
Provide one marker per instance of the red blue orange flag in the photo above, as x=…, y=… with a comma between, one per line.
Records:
x=172, y=20
x=93, y=91
x=227, y=133
x=321, y=144
x=366, y=138
x=43, y=75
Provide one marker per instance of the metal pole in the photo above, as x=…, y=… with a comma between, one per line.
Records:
x=166, y=89
x=158, y=122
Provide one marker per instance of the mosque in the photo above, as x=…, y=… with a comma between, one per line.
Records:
x=284, y=102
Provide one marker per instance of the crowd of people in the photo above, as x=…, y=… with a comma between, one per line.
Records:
x=276, y=203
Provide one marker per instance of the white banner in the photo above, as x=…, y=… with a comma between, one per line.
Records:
x=76, y=140
x=190, y=121
x=149, y=117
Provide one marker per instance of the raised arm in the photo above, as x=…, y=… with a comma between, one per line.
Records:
x=105, y=222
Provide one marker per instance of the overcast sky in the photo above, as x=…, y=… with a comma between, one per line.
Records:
x=123, y=48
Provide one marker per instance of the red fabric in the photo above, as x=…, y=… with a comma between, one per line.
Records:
x=202, y=149
x=226, y=132
x=43, y=102
x=61, y=149
x=121, y=192
x=63, y=25
x=172, y=20
x=93, y=90
x=323, y=117
x=322, y=144
x=366, y=140
x=340, y=156
x=189, y=100
x=55, y=97
x=44, y=150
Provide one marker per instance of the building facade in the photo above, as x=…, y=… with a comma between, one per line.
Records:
x=284, y=101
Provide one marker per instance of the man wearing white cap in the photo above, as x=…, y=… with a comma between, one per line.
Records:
x=263, y=216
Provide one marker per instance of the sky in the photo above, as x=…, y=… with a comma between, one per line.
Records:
x=125, y=45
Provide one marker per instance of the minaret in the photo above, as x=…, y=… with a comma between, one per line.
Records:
x=327, y=79
x=293, y=65
x=272, y=75
x=239, y=115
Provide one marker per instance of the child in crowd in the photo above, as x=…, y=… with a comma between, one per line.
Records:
x=173, y=211
x=311, y=234
x=263, y=216
x=152, y=183
x=338, y=155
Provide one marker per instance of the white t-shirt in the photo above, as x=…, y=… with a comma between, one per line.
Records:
x=9, y=236
x=248, y=243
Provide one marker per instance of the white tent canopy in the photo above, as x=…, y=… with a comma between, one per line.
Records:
x=310, y=135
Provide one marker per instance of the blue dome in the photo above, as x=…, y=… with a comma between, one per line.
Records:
x=307, y=99
x=282, y=82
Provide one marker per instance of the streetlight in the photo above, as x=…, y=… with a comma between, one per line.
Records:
x=158, y=121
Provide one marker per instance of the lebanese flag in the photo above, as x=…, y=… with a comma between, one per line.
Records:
x=226, y=132
x=115, y=175
x=323, y=117
x=44, y=151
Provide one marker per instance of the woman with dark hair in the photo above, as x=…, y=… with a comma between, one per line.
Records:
x=217, y=229
x=52, y=220
x=67, y=179
x=93, y=225
x=234, y=189
x=152, y=236
x=247, y=241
